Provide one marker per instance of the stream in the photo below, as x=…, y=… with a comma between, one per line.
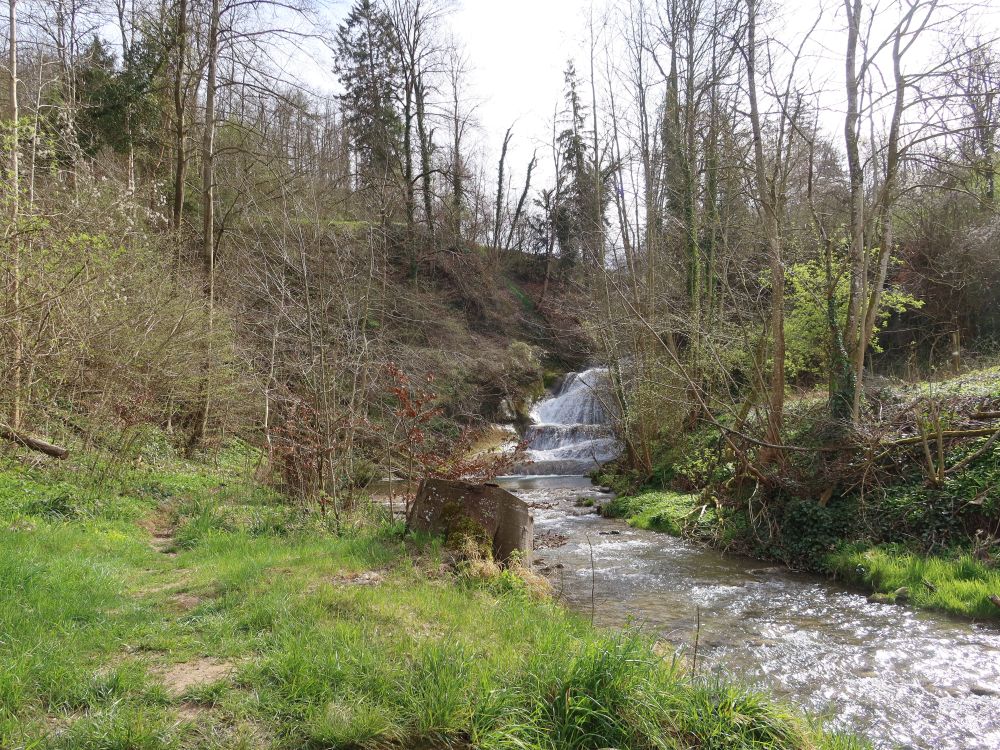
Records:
x=897, y=676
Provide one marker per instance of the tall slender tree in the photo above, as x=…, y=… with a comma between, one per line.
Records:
x=14, y=187
x=208, y=229
x=368, y=68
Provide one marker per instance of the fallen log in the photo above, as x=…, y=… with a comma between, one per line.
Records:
x=982, y=415
x=981, y=432
x=35, y=444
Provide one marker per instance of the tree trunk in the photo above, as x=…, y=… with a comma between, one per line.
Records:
x=208, y=222
x=180, y=156
x=847, y=389
x=457, y=184
x=127, y=45
x=35, y=444
x=425, y=159
x=868, y=307
x=501, y=190
x=768, y=199
x=409, y=194
x=17, y=380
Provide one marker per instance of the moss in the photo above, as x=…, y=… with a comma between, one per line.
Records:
x=463, y=531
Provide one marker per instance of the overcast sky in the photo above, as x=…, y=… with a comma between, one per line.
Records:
x=518, y=50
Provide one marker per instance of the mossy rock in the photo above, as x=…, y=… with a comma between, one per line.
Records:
x=486, y=514
x=463, y=531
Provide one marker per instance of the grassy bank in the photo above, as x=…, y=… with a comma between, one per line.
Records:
x=957, y=582
x=676, y=513
x=953, y=581
x=905, y=537
x=683, y=514
x=186, y=607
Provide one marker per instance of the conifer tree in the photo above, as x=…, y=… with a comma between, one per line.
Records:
x=369, y=73
x=580, y=219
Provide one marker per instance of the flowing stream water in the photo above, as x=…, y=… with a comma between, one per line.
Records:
x=897, y=676
x=571, y=432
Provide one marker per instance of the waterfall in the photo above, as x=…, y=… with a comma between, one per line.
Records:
x=571, y=429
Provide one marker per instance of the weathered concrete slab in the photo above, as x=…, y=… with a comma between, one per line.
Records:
x=448, y=507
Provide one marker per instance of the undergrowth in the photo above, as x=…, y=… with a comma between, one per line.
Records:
x=901, y=530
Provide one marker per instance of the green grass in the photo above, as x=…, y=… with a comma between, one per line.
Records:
x=525, y=300
x=667, y=512
x=679, y=514
x=950, y=582
x=959, y=584
x=296, y=650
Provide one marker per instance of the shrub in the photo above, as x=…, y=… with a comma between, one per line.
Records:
x=810, y=530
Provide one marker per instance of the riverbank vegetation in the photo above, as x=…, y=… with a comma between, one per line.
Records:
x=196, y=241
x=801, y=321
x=903, y=532
x=199, y=248
x=171, y=604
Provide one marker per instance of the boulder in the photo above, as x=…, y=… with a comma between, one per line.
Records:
x=506, y=413
x=449, y=507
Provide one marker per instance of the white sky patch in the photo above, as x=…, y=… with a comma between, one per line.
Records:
x=518, y=50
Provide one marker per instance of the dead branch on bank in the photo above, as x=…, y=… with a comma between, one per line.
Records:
x=33, y=443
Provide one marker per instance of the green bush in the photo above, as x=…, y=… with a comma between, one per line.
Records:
x=809, y=530
x=807, y=328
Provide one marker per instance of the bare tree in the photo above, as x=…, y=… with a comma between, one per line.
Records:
x=459, y=116
x=768, y=197
x=867, y=273
x=13, y=230
x=180, y=110
x=208, y=236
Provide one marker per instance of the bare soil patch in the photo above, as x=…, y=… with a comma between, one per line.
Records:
x=179, y=678
x=191, y=711
x=365, y=578
x=185, y=601
x=161, y=533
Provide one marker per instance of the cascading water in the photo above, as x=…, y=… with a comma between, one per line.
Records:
x=571, y=429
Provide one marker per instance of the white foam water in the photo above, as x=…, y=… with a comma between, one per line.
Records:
x=571, y=430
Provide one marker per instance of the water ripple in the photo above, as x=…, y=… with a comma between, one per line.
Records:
x=901, y=677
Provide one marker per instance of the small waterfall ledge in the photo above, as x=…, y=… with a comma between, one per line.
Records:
x=571, y=431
